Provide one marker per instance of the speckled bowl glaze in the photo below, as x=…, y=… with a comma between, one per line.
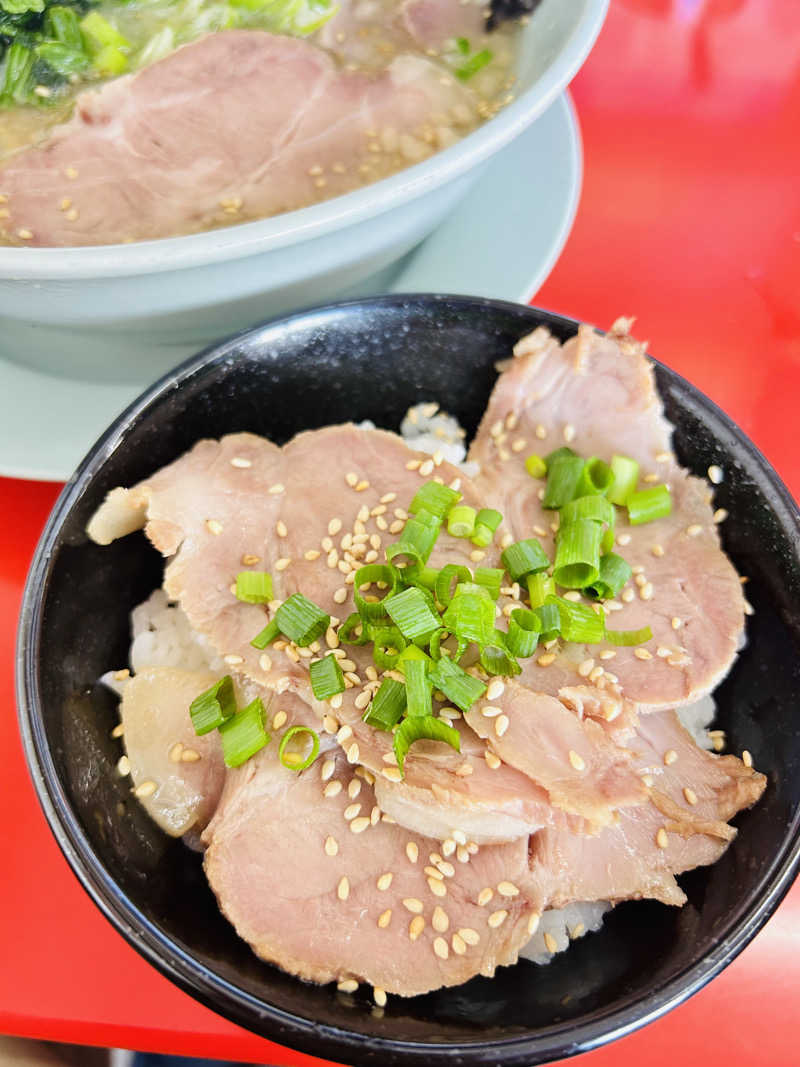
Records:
x=83, y=311
x=371, y=360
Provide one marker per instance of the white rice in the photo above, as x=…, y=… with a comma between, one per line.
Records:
x=564, y=925
x=427, y=429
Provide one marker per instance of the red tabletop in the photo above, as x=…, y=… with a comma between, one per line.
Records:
x=690, y=219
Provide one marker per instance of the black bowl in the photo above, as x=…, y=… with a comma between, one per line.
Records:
x=372, y=359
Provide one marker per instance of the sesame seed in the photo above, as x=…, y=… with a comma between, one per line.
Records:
x=353, y=788
x=715, y=474
x=351, y=811
x=550, y=942
x=496, y=689
x=646, y=591
x=353, y=752
x=359, y=825
x=415, y=927
x=485, y=896
x=123, y=766
x=663, y=457
x=276, y=489
x=657, y=550
x=497, y=918
x=650, y=478
x=501, y=725
x=441, y=948
x=334, y=526
x=233, y=659
x=440, y=921
x=282, y=564
x=689, y=795
x=623, y=539
x=214, y=527
x=720, y=515
x=343, y=888
x=546, y=659
x=351, y=478
x=379, y=996
x=118, y=731
x=349, y=985
x=189, y=755
x=332, y=789
x=413, y=905
x=25, y=234
x=331, y=846
x=426, y=468
x=280, y=528
x=533, y=924
x=670, y=757
x=492, y=761
x=146, y=789
x=412, y=851
x=385, y=881
x=694, y=529
x=586, y=668
x=279, y=720
x=576, y=760
x=437, y=886
x=747, y=759
x=507, y=889
x=385, y=918
x=662, y=840
x=642, y=653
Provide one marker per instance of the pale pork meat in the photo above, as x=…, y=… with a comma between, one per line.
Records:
x=597, y=394
x=235, y=126
x=358, y=899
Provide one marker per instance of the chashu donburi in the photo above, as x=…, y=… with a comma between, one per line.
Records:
x=574, y=779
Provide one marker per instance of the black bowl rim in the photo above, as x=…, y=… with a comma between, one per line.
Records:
x=222, y=996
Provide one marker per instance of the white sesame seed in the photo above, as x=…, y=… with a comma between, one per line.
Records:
x=351, y=811
x=546, y=659
x=439, y=920
x=343, y=888
x=441, y=948
x=331, y=846
x=485, y=896
x=348, y=985
x=623, y=539
x=550, y=942
x=379, y=996
x=608, y=653
x=720, y=515
x=662, y=839
x=413, y=905
x=586, y=668
x=694, y=529
x=279, y=720
x=145, y=789
x=415, y=927
x=642, y=653
x=123, y=766
x=507, y=889
x=412, y=851
x=569, y=432
x=501, y=725
x=689, y=795
x=189, y=755
x=715, y=474
x=577, y=760
x=437, y=887
x=533, y=924
x=497, y=918
x=492, y=761
x=118, y=731
x=359, y=825
x=214, y=527
x=282, y=564
x=747, y=759
x=670, y=757
x=385, y=918
x=332, y=789
x=495, y=689
x=276, y=489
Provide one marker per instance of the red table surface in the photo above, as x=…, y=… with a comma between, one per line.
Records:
x=690, y=219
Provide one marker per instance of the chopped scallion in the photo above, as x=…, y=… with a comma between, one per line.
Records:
x=577, y=561
x=447, y=582
x=423, y=728
x=535, y=466
x=486, y=522
x=434, y=498
x=596, y=478
x=470, y=614
x=254, y=587
x=411, y=613
x=301, y=620
x=524, y=558
x=563, y=476
x=459, y=687
x=461, y=521
x=387, y=705
x=626, y=474
x=495, y=657
x=210, y=710
x=649, y=504
x=365, y=576
x=387, y=645
x=549, y=618
x=266, y=636
x=419, y=690
x=629, y=637
x=326, y=677
x=293, y=760
x=354, y=631
x=523, y=632
x=491, y=578
x=578, y=622
x=243, y=734
x=540, y=587
x=614, y=572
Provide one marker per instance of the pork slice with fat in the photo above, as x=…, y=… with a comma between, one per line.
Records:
x=598, y=394
x=324, y=887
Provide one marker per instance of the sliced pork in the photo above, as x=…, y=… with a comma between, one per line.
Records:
x=238, y=125
x=598, y=394
x=177, y=775
x=357, y=898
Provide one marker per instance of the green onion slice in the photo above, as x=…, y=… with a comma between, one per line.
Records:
x=365, y=576
x=629, y=637
x=524, y=558
x=292, y=760
x=549, y=618
x=486, y=522
x=470, y=614
x=491, y=578
x=596, y=478
x=423, y=728
x=447, y=582
x=354, y=631
x=243, y=734
x=266, y=636
x=426, y=577
x=614, y=573
x=626, y=474
x=434, y=498
x=563, y=477
x=416, y=542
x=419, y=690
x=535, y=466
x=461, y=521
x=254, y=587
x=523, y=632
x=495, y=657
x=649, y=504
x=459, y=687
x=301, y=620
x=540, y=587
x=577, y=561
x=594, y=507
x=326, y=677
x=411, y=613
x=388, y=644
x=387, y=705
x=210, y=710
x=578, y=622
